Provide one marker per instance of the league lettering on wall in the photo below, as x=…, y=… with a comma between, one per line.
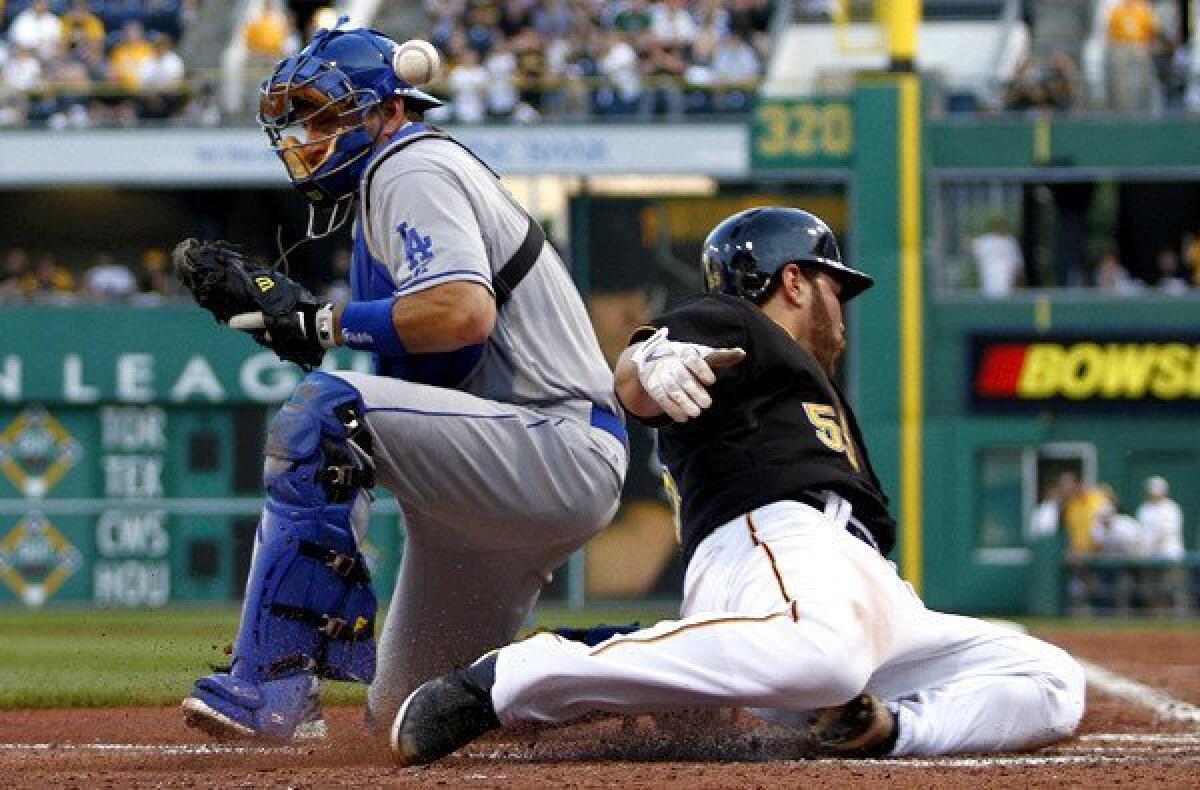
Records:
x=1093, y=371
x=131, y=470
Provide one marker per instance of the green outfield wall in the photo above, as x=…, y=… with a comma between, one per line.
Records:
x=130, y=456
x=1006, y=394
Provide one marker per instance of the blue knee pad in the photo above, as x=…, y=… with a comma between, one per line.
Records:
x=310, y=607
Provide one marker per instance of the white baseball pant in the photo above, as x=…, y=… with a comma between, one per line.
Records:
x=785, y=612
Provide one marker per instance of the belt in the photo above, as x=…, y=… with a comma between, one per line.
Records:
x=610, y=423
x=839, y=511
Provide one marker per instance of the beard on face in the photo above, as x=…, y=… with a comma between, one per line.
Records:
x=825, y=331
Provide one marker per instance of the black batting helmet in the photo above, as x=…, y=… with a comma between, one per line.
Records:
x=743, y=253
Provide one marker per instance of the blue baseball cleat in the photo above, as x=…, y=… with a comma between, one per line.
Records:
x=227, y=707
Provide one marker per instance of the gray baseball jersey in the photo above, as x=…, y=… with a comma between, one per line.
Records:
x=500, y=476
x=436, y=215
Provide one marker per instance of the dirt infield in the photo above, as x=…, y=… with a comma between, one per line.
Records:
x=1144, y=732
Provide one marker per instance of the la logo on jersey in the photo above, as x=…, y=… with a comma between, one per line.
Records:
x=418, y=249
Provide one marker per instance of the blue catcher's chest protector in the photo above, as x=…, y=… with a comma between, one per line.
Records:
x=309, y=604
x=370, y=279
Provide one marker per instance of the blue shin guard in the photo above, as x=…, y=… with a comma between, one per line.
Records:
x=310, y=609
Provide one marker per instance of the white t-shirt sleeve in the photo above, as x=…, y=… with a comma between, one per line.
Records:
x=425, y=231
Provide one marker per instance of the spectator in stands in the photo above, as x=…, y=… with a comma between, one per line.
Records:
x=711, y=15
x=200, y=109
x=1113, y=278
x=53, y=282
x=68, y=104
x=1170, y=59
x=1132, y=32
x=530, y=51
x=619, y=64
x=325, y=17
x=154, y=284
x=515, y=17
x=22, y=71
x=735, y=68
x=501, y=66
x=1025, y=91
x=1080, y=504
x=36, y=28
x=1162, y=520
x=106, y=280
x=129, y=54
x=672, y=22
x=1170, y=274
x=815, y=10
x=1191, y=256
x=1119, y=536
x=998, y=259
x=1116, y=534
x=160, y=77
x=664, y=68
x=634, y=18
x=1052, y=85
x=1061, y=83
x=108, y=103
x=468, y=81
x=17, y=280
x=1046, y=514
x=481, y=28
x=269, y=33
x=553, y=19
x=751, y=19
x=80, y=25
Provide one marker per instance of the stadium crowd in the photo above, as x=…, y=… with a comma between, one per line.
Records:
x=1145, y=550
x=1147, y=65
x=92, y=62
x=531, y=59
x=37, y=277
x=1001, y=268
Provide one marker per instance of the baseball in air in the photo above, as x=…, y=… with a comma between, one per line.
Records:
x=416, y=62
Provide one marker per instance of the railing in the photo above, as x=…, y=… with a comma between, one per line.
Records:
x=556, y=97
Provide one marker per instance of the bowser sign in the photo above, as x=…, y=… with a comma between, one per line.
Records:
x=1024, y=371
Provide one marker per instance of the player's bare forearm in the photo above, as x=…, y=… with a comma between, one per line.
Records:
x=630, y=391
x=443, y=318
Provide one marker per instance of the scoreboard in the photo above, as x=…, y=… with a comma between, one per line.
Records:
x=131, y=459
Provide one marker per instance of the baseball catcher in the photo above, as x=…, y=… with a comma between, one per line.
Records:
x=791, y=608
x=490, y=415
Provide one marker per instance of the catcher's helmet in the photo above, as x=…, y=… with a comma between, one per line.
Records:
x=743, y=253
x=314, y=106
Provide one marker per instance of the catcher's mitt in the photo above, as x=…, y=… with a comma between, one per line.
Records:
x=232, y=284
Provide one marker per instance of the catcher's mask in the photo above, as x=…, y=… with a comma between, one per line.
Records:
x=315, y=105
x=743, y=254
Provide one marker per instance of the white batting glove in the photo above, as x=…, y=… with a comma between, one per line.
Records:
x=675, y=374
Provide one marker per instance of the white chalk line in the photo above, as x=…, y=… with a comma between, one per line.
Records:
x=1158, y=702
x=1140, y=737
x=1019, y=761
x=1123, y=748
x=162, y=749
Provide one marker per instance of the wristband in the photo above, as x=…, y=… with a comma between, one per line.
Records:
x=368, y=326
x=323, y=323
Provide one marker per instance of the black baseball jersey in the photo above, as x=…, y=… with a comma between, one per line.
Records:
x=778, y=428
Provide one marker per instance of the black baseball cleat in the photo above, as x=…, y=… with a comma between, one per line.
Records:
x=445, y=714
x=863, y=727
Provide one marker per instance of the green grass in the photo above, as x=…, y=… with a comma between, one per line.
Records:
x=79, y=658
